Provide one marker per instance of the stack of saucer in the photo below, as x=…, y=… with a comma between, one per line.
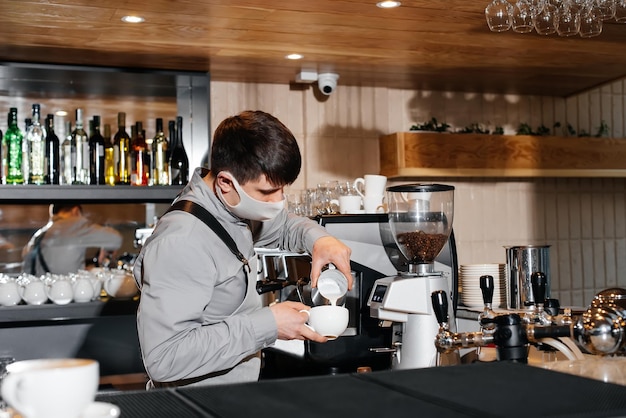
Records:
x=469, y=281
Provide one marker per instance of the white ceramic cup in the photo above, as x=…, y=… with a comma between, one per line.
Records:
x=370, y=184
x=51, y=388
x=373, y=204
x=327, y=320
x=9, y=294
x=349, y=204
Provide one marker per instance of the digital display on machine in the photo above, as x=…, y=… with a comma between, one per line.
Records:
x=379, y=293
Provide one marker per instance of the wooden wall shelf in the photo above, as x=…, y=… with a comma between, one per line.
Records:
x=432, y=154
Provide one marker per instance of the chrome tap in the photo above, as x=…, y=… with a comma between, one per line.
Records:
x=509, y=333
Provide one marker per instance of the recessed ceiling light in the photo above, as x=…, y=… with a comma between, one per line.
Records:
x=388, y=4
x=60, y=113
x=294, y=56
x=133, y=19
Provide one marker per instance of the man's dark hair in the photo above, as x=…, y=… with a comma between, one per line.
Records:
x=253, y=143
x=64, y=206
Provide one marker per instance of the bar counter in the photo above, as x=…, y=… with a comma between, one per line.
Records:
x=498, y=389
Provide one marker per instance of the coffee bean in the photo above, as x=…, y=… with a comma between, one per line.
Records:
x=421, y=247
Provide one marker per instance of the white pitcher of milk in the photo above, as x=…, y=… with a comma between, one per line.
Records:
x=332, y=285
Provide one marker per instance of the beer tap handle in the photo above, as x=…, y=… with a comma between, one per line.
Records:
x=487, y=286
x=440, y=306
x=539, y=282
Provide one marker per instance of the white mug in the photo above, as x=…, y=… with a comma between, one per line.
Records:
x=372, y=185
x=51, y=388
x=373, y=204
x=349, y=204
x=327, y=320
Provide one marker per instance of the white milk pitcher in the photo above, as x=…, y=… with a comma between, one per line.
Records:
x=84, y=289
x=9, y=293
x=34, y=292
x=60, y=292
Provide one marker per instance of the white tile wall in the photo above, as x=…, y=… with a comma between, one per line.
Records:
x=584, y=220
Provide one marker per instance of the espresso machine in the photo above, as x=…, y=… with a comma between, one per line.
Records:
x=375, y=256
x=420, y=220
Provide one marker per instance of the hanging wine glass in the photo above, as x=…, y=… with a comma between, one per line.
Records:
x=522, y=17
x=545, y=19
x=498, y=14
x=577, y=5
x=590, y=22
x=620, y=11
x=568, y=20
x=605, y=9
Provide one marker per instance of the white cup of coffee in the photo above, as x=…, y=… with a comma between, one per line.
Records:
x=327, y=320
x=51, y=388
x=370, y=185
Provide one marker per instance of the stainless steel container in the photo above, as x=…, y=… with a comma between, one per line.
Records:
x=521, y=262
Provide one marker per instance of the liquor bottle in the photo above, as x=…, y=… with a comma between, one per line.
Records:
x=3, y=158
x=110, y=175
x=68, y=156
x=150, y=158
x=25, y=158
x=96, y=154
x=131, y=152
x=53, y=150
x=140, y=157
x=36, y=143
x=179, y=163
x=121, y=144
x=13, y=139
x=80, y=142
x=160, y=175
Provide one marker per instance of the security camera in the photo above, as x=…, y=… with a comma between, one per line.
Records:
x=327, y=82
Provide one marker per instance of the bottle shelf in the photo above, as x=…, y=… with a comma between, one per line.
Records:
x=45, y=194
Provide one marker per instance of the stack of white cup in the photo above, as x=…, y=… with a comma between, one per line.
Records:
x=371, y=187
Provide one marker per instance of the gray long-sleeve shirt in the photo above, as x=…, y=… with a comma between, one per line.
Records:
x=191, y=320
x=65, y=242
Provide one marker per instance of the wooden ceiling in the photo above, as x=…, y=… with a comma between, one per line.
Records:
x=425, y=44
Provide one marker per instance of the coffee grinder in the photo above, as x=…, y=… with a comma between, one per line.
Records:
x=420, y=219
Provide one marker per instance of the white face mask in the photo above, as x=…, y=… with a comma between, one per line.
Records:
x=249, y=208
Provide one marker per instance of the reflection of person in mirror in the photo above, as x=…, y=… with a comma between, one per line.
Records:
x=59, y=247
x=5, y=244
x=200, y=320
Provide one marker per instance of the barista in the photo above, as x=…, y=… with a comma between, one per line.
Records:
x=59, y=247
x=200, y=319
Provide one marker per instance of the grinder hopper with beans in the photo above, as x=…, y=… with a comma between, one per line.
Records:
x=420, y=219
